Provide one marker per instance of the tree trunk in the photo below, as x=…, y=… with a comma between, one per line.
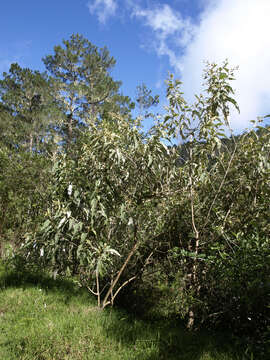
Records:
x=31, y=140
x=69, y=130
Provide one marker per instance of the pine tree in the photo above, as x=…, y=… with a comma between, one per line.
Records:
x=85, y=87
x=25, y=106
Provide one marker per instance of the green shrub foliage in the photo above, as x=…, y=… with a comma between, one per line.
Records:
x=182, y=229
x=107, y=208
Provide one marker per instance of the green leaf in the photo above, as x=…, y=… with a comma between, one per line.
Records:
x=76, y=228
x=223, y=76
x=62, y=221
x=79, y=249
x=114, y=252
x=71, y=224
x=83, y=237
x=150, y=161
x=45, y=225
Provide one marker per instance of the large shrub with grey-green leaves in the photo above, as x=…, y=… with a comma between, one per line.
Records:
x=127, y=214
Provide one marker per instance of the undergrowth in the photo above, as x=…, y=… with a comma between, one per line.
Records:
x=42, y=319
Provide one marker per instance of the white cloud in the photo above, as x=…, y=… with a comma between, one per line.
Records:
x=233, y=29
x=237, y=30
x=103, y=8
x=169, y=28
x=163, y=19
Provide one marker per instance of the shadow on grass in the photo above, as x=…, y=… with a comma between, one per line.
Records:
x=10, y=278
x=171, y=338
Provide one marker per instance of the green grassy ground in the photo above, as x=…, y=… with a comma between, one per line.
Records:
x=45, y=319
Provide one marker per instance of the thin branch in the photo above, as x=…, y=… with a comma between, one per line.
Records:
x=98, y=292
x=220, y=187
x=105, y=303
x=121, y=287
x=94, y=293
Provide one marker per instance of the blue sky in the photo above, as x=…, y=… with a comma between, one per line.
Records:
x=149, y=38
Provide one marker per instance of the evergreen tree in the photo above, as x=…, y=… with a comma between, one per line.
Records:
x=85, y=88
x=24, y=110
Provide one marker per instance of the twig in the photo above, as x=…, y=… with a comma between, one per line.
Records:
x=220, y=187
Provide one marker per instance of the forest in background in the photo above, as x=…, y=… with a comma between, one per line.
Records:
x=163, y=230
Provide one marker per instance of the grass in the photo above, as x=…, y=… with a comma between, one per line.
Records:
x=44, y=319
